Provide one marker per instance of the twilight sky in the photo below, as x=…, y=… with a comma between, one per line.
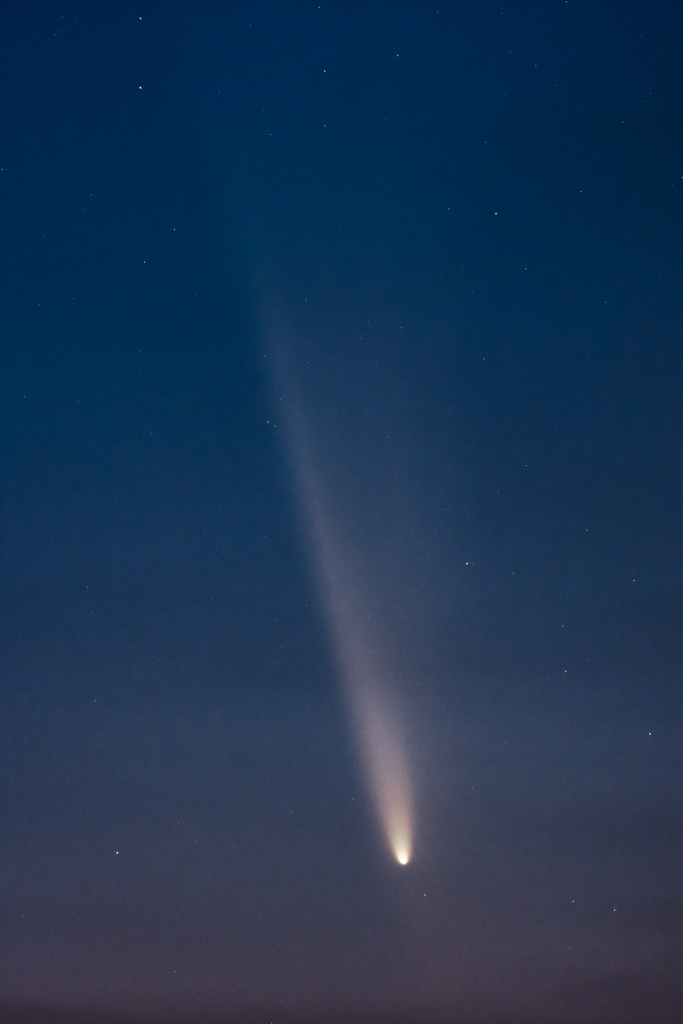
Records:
x=341, y=382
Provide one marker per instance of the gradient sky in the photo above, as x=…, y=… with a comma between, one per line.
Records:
x=445, y=240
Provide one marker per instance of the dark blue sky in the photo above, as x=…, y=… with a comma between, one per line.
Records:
x=447, y=238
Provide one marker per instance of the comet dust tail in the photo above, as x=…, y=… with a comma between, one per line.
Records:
x=382, y=748
x=368, y=686
x=367, y=681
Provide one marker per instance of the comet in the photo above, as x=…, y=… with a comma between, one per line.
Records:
x=384, y=755
x=370, y=694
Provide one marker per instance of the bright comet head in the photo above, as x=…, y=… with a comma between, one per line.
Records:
x=400, y=839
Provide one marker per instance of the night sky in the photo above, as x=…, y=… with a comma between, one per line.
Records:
x=341, y=334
